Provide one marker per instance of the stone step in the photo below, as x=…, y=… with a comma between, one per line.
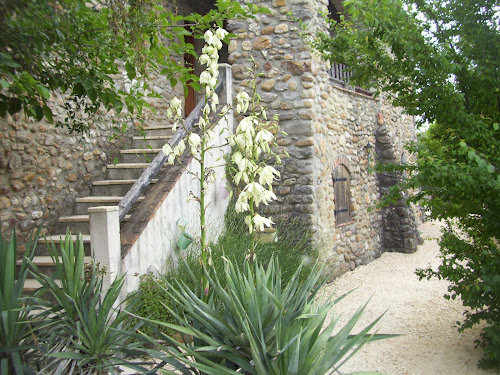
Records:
x=154, y=141
x=125, y=171
x=56, y=239
x=139, y=155
x=158, y=130
x=82, y=204
x=30, y=285
x=46, y=265
x=114, y=187
x=78, y=223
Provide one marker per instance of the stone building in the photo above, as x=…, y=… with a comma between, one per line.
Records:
x=336, y=132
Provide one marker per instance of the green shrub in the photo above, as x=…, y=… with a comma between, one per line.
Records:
x=292, y=248
x=471, y=263
x=151, y=300
x=253, y=323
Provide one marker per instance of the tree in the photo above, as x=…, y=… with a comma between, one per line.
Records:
x=440, y=61
x=79, y=49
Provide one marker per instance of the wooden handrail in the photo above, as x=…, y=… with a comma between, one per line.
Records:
x=152, y=170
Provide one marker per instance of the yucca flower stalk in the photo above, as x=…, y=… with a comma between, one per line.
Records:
x=199, y=144
x=253, y=146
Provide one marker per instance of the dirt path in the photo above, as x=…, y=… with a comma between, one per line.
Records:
x=430, y=344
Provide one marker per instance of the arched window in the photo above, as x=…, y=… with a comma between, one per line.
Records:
x=342, y=190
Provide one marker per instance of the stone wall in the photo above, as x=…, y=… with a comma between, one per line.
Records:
x=43, y=169
x=327, y=125
x=284, y=59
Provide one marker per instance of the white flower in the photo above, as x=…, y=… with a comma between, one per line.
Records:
x=206, y=109
x=169, y=112
x=221, y=33
x=202, y=123
x=171, y=158
x=194, y=141
x=210, y=38
x=241, y=205
x=260, y=221
x=167, y=150
x=242, y=102
x=204, y=59
x=210, y=134
x=264, y=136
x=246, y=126
x=205, y=78
x=266, y=175
x=179, y=149
x=242, y=175
x=211, y=52
x=175, y=103
x=217, y=43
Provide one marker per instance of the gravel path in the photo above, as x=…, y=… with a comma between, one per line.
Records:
x=430, y=343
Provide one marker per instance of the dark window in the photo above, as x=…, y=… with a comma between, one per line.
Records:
x=342, y=190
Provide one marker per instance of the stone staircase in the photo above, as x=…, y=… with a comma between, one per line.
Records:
x=119, y=179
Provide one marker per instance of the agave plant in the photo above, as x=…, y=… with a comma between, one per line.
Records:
x=87, y=330
x=15, y=338
x=254, y=325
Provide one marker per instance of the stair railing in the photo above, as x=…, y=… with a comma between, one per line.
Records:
x=157, y=163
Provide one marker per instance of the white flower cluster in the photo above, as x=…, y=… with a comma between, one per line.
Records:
x=249, y=141
x=208, y=79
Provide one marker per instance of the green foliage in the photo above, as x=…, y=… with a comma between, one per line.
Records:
x=289, y=249
x=440, y=61
x=232, y=245
x=152, y=299
x=472, y=264
x=77, y=49
x=84, y=329
x=255, y=324
x=14, y=324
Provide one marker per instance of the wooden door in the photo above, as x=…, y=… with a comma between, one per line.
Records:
x=342, y=187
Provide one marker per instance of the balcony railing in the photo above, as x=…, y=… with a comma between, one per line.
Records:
x=340, y=72
x=341, y=76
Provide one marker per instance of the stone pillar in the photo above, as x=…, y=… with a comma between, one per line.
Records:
x=105, y=240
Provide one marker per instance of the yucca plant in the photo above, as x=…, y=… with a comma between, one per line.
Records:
x=15, y=338
x=254, y=325
x=87, y=331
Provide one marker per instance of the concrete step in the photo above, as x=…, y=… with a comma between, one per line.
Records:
x=56, y=239
x=114, y=187
x=82, y=204
x=139, y=155
x=30, y=285
x=46, y=265
x=154, y=141
x=125, y=171
x=78, y=223
x=158, y=130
